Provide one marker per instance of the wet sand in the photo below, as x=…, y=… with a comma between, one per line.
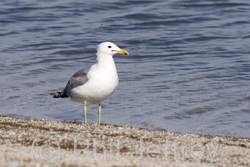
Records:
x=28, y=143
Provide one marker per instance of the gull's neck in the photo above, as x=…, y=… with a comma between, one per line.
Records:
x=105, y=60
x=106, y=64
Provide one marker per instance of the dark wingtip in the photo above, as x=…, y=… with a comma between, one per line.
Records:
x=59, y=95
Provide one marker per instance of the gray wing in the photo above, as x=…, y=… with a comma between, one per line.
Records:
x=78, y=79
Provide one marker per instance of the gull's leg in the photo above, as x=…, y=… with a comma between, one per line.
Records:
x=99, y=113
x=85, y=112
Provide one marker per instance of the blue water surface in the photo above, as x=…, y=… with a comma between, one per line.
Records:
x=188, y=69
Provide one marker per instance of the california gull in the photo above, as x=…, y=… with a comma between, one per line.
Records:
x=96, y=83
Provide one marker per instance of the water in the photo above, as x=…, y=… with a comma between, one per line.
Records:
x=188, y=69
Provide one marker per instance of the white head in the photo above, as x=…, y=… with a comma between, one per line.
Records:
x=110, y=48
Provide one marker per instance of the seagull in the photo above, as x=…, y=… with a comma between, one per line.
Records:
x=96, y=83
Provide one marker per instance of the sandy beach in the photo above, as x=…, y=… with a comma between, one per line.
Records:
x=28, y=143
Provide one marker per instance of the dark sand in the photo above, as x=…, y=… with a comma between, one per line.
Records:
x=28, y=143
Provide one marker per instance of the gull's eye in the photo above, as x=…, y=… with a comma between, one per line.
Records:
x=110, y=46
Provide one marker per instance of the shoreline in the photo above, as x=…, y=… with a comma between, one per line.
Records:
x=31, y=142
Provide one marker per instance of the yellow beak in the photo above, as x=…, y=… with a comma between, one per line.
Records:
x=123, y=51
